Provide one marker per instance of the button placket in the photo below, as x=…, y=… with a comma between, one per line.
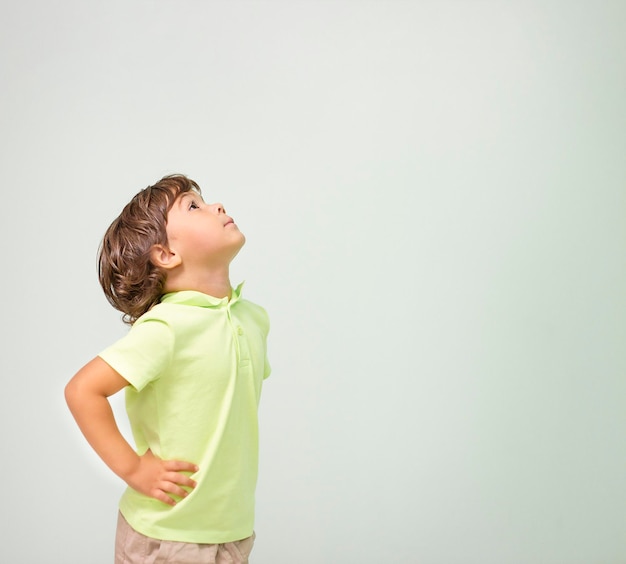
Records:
x=235, y=333
x=243, y=351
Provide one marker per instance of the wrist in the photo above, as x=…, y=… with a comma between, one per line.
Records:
x=125, y=464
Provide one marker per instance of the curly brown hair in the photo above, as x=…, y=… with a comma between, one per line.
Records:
x=131, y=282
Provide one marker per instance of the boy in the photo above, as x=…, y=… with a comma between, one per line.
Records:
x=192, y=365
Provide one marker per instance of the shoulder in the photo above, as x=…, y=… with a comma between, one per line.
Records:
x=159, y=313
x=153, y=326
x=170, y=315
x=142, y=354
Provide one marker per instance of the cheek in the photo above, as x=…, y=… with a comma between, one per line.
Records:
x=205, y=238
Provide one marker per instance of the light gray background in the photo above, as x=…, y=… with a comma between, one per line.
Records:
x=434, y=195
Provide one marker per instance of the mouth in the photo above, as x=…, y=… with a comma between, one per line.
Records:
x=229, y=222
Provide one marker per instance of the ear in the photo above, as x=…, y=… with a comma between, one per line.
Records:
x=164, y=258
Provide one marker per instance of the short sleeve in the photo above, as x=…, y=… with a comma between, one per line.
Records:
x=143, y=354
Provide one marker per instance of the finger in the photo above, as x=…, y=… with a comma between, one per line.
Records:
x=162, y=496
x=180, y=479
x=172, y=488
x=180, y=465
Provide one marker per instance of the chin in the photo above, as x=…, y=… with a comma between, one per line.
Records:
x=241, y=243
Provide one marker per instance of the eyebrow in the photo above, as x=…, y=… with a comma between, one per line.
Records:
x=191, y=194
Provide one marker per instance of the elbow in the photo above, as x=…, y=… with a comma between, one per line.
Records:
x=72, y=393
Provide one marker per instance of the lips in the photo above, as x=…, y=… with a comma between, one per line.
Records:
x=229, y=222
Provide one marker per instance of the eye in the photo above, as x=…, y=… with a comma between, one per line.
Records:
x=193, y=205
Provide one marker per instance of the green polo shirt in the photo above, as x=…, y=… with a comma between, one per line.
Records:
x=195, y=365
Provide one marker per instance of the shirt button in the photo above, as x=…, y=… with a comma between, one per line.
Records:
x=240, y=330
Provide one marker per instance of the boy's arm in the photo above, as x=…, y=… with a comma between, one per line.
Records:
x=87, y=397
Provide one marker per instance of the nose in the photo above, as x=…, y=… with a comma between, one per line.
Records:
x=218, y=208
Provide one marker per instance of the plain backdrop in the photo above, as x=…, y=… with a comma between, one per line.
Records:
x=434, y=196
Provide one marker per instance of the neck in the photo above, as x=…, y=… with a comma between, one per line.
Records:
x=215, y=282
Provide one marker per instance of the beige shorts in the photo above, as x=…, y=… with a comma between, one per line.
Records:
x=132, y=547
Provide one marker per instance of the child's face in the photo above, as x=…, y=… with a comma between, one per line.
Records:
x=202, y=234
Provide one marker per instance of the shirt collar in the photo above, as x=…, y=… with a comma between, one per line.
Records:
x=195, y=298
